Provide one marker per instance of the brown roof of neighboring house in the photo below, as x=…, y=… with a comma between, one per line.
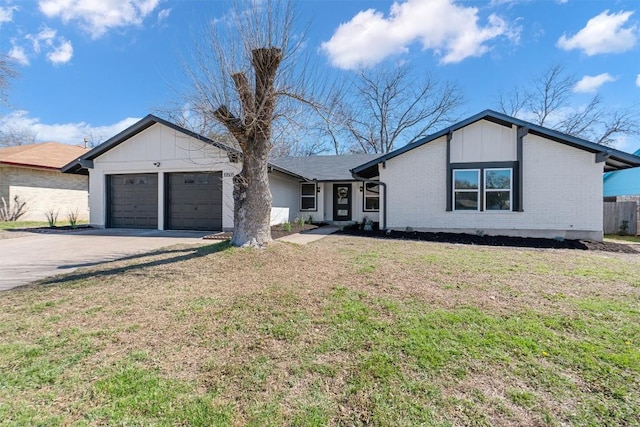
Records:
x=50, y=155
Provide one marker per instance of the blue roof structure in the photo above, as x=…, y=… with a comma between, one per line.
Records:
x=623, y=183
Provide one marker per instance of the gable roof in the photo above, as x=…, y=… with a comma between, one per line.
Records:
x=324, y=168
x=303, y=168
x=614, y=159
x=45, y=155
x=81, y=164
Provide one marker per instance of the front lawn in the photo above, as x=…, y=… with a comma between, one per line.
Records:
x=346, y=331
x=615, y=237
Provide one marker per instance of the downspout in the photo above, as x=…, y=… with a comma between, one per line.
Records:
x=384, y=199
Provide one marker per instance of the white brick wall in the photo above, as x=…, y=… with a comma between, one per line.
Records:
x=562, y=192
x=45, y=190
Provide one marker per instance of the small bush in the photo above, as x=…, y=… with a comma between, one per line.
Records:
x=286, y=226
x=52, y=217
x=72, y=216
x=300, y=222
x=623, y=230
x=13, y=211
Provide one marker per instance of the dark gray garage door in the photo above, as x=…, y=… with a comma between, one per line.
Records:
x=194, y=201
x=133, y=201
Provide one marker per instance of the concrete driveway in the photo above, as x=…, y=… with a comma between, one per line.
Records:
x=27, y=256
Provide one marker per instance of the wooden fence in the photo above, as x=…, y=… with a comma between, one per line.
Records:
x=617, y=214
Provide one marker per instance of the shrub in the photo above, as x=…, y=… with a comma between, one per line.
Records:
x=72, y=216
x=13, y=211
x=300, y=222
x=623, y=230
x=52, y=217
x=286, y=226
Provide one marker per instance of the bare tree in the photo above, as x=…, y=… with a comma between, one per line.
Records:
x=7, y=72
x=389, y=107
x=243, y=76
x=549, y=102
x=10, y=136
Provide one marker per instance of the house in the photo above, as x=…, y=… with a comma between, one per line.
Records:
x=496, y=175
x=623, y=184
x=32, y=172
x=489, y=174
x=158, y=175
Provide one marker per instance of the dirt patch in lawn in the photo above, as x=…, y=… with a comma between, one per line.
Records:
x=485, y=240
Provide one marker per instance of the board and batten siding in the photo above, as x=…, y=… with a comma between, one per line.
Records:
x=562, y=186
x=160, y=150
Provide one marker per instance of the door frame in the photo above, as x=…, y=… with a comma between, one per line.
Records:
x=349, y=196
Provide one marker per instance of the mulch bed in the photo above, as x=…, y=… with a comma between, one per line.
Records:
x=64, y=228
x=521, y=242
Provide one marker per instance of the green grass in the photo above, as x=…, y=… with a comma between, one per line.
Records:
x=12, y=225
x=633, y=239
x=347, y=331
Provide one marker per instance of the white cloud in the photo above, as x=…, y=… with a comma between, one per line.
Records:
x=61, y=54
x=163, y=15
x=18, y=54
x=6, y=13
x=67, y=133
x=638, y=80
x=99, y=16
x=451, y=31
x=44, y=37
x=57, y=49
x=604, y=33
x=590, y=84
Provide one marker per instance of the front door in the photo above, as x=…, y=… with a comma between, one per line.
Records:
x=342, y=202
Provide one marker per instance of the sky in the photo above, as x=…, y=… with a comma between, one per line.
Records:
x=91, y=68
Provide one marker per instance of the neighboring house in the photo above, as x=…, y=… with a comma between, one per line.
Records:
x=32, y=172
x=494, y=174
x=489, y=174
x=623, y=184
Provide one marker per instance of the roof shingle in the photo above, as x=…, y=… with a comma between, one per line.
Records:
x=50, y=155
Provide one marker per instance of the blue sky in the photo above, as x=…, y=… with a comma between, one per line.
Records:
x=90, y=68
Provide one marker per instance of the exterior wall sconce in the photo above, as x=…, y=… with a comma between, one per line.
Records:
x=156, y=164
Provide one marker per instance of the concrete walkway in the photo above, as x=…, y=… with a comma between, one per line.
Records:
x=309, y=236
x=34, y=256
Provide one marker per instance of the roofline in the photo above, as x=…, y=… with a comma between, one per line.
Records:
x=85, y=162
x=149, y=120
x=627, y=160
x=28, y=165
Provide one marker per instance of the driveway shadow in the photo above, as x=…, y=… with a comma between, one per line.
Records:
x=178, y=255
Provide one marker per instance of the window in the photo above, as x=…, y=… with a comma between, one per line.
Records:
x=483, y=189
x=497, y=189
x=466, y=190
x=371, y=197
x=308, y=197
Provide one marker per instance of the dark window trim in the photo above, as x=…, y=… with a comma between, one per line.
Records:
x=364, y=197
x=315, y=196
x=515, y=182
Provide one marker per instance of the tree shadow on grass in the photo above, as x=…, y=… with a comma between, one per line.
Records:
x=177, y=255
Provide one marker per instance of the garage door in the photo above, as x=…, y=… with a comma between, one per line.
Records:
x=133, y=201
x=194, y=201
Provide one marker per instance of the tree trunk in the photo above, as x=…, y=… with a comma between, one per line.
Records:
x=252, y=200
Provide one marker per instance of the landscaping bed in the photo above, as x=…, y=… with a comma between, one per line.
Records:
x=485, y=240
